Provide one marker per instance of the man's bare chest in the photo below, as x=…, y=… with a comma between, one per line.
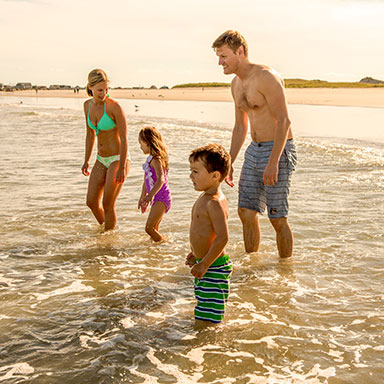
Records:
x=248, y=100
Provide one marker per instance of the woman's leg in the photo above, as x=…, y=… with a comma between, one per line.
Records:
x=154, y=218
x=111, y=192
x=95, y=191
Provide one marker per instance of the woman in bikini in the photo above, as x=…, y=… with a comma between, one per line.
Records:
x=106, y=120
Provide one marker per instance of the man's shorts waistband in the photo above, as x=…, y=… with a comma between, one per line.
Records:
x=267, y=143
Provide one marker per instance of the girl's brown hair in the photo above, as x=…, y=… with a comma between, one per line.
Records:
x=157, y=149
x=94, y=77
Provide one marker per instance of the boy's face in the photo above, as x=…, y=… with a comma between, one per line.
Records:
x=201, y=178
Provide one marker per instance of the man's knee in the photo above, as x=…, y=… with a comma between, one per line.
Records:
x=246, y=215
x=279, y=223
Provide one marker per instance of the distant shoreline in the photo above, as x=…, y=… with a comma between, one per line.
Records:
x=351, y=97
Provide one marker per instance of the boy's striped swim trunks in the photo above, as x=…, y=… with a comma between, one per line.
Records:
x=212, y=291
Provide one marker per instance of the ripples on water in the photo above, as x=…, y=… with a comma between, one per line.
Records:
x=82, y=306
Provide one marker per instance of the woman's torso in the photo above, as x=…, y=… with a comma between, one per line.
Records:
x=100, y=118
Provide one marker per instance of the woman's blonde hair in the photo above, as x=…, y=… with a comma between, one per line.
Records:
x=94, y=77
x=152, y=137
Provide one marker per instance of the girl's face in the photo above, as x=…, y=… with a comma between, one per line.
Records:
x=100, y=91
x=144, y=146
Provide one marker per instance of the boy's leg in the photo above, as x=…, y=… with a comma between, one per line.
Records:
x=212, y=292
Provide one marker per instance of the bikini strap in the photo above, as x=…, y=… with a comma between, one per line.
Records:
x=89, y=108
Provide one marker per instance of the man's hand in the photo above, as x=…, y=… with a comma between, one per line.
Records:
x=229, y=178
x=271, y=174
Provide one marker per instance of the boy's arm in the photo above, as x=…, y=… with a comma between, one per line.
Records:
x=220, y=228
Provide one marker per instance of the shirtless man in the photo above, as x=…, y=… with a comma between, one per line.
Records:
x=258, y=93
x=209, y=263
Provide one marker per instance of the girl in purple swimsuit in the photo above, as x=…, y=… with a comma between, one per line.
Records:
x=155, y=189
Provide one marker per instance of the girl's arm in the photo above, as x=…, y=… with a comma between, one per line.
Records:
x=143, y=204
x=89, y=142
x=156, y=164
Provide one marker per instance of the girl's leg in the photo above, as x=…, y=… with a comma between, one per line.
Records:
x=111, y=192
x=154, y=218
x=95, y=191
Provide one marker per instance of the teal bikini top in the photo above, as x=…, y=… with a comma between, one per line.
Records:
x=104, y=124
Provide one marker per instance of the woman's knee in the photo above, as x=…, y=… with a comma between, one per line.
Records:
x=92, y=204
x=108, y=205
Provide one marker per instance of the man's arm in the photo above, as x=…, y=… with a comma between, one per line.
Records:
x=220, y=228
x=239, y=134
x=273, y=90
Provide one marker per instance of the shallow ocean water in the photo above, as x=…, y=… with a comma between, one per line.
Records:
x=82, y=306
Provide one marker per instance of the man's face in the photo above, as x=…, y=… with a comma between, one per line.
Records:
x=228, y=59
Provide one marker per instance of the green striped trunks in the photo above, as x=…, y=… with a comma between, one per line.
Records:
x=212, y=291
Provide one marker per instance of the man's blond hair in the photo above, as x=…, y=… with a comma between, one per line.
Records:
x=233, y=40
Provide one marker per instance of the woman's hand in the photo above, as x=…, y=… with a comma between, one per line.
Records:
x=121, y=175
x=84, y=168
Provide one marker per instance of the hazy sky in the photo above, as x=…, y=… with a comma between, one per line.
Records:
x=167, y=42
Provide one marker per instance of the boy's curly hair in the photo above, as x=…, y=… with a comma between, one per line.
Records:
x=214, y=157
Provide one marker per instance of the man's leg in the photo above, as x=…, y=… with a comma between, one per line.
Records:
x=251, y=229
x=284, y=236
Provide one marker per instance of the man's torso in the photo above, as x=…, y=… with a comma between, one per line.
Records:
x=249, y=99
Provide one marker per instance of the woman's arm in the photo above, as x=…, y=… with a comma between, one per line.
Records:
x=121, y=123
x=89, y=142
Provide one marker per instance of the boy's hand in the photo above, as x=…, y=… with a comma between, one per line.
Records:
x=190, y=259
x=199, y=270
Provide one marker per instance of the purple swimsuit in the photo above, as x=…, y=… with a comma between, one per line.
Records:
x=164, y=194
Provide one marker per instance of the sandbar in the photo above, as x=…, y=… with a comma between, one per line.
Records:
x=351, y=97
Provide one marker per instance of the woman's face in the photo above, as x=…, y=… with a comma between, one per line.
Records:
x=100, y=91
